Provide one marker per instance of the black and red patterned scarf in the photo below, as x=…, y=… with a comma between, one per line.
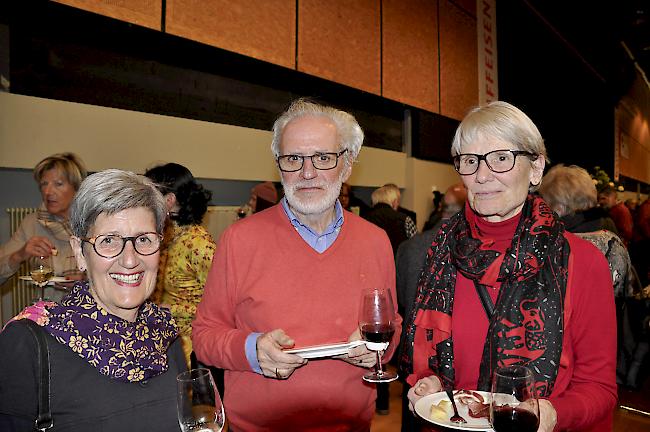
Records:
x=527, y=325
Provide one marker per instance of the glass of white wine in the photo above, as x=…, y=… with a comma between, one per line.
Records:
x=199, y=405
x=41, y=271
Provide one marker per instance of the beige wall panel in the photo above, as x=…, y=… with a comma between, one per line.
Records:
x=458, y=61
x=265, y=30
x=376, y=167
x=421, y=177
x=33, y=128
x=340, y=41
x=145, y=13
x=410, y=53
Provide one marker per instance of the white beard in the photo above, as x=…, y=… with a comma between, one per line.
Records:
x=313, y=206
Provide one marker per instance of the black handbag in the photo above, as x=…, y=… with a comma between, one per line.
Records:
x=44, y=419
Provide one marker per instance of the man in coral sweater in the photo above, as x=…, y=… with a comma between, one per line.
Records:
x=291, y=276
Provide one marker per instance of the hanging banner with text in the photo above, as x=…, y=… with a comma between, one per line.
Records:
x=488, y=72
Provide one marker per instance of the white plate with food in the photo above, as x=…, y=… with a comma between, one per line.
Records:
x=328, y=350
x=436, y=408
x=55, y=279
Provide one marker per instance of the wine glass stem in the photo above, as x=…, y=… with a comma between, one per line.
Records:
x=379, y=369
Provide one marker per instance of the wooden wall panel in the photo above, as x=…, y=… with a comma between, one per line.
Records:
x=145, y=13
x=265, y=30
x=458, y=61
x=410, y=53
x=340, y=41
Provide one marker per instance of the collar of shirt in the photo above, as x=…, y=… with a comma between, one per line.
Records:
x=318, y=242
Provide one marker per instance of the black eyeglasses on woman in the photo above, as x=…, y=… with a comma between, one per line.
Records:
x=498, y=161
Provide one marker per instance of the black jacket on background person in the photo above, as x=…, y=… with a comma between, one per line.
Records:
x=593, y=219
x=391, y=221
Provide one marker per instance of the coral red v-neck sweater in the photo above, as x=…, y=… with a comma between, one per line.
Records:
x=264, y=277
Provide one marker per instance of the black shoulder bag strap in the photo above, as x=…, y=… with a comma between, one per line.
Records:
x=485, y=298
x=44, y=419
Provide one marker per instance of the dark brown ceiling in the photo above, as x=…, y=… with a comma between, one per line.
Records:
x=599, y=31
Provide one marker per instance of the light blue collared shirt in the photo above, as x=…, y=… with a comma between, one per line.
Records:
x=318, y=242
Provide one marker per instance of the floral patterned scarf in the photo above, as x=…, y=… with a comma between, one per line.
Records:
x=527, y=325
x=121, y=350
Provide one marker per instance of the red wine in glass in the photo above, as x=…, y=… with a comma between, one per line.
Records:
x=377, y=332
x=513, y=419
x=376, y=323
x=513, y=404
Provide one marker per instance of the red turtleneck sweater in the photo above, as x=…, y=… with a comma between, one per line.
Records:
x=585, y=390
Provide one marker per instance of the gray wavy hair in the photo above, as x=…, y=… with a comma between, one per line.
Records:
x=350, y=134
x=111, y=191
x=568, y=189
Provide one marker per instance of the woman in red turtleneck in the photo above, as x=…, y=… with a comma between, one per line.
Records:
x=506, y=284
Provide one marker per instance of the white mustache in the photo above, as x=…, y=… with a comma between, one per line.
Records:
x=306, y=185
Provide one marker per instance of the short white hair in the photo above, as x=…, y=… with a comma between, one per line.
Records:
x=350, y=134
x=385, y=194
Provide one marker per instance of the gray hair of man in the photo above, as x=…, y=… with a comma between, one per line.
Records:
x=388, y=194
x=112, y=191
x=568, y=189
x=504, y=122
x=350, y=134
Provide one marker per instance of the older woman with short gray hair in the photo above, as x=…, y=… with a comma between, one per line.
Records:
x=494, y=288
x=113, y=355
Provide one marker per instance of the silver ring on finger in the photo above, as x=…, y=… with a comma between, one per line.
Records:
x=277, y=374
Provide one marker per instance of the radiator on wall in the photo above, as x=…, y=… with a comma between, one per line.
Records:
x=21, y=291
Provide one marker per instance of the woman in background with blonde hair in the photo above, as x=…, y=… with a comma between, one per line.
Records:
x=47, y=231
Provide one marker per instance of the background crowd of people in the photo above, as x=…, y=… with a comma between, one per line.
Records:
x=508, y=254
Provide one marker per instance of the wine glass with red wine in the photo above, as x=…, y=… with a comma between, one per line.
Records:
x=514, y=405
x=377, y=325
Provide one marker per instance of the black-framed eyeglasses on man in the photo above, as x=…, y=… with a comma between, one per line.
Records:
x=111, y=245
x=498, y=161
x=320, y=161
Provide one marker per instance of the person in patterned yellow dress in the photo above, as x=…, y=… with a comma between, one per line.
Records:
x=187, y=250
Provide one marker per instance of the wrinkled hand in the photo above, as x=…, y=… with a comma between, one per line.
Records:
x=423, y=387
x=37, y=246
x=360, y=355
x=547, y=416
x=275, y=363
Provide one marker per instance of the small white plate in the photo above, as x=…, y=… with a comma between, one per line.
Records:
x=55, y=279
x=328, y=350
x=423, y=409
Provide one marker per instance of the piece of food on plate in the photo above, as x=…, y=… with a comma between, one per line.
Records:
x=477, y=406
x=440, y=411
